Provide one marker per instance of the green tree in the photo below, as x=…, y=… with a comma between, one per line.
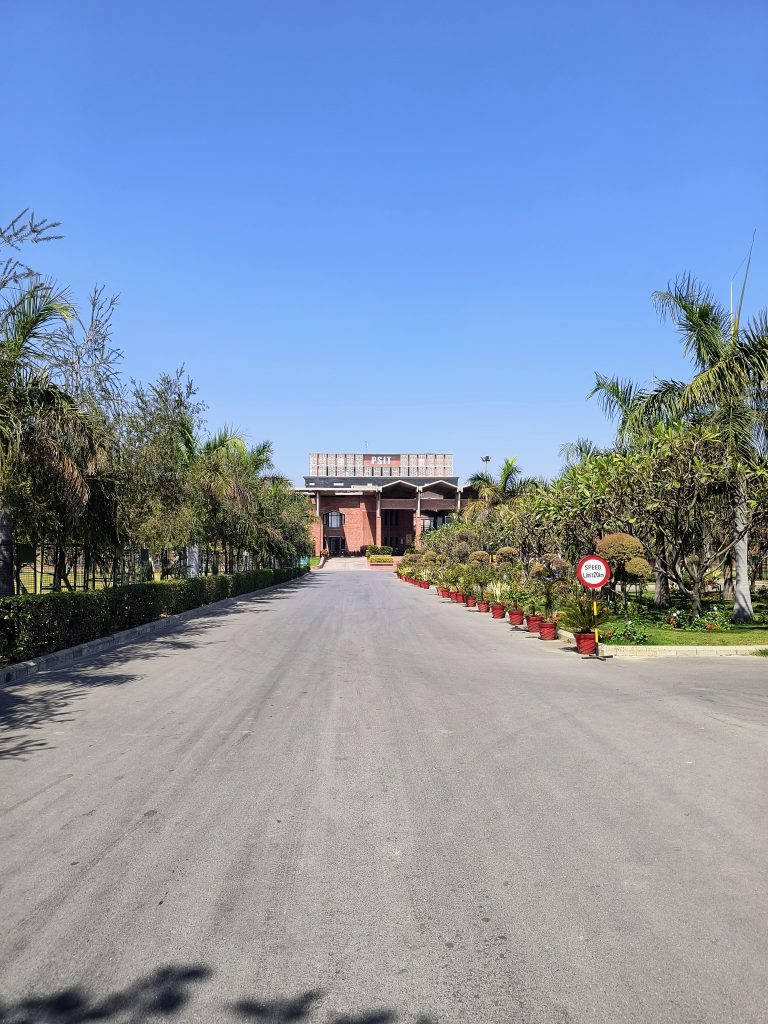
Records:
x=729, y=391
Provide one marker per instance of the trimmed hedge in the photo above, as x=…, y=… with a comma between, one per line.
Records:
x=378, y=549
x=35, y=624
x=380, y=559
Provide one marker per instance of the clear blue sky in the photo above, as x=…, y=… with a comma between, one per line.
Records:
x=418, y=224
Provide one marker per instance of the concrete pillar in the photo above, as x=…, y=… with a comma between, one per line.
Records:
x=378, y=518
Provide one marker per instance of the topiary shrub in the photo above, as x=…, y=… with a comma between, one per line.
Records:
x=638, y=569
x=479, y=558
x=618, y=549
x=507, y=556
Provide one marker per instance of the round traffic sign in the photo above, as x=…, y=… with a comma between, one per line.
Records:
x=593, y=571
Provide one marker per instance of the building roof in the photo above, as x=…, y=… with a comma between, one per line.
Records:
x=372, y=483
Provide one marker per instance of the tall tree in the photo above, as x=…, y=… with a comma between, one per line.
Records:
x=729, y=391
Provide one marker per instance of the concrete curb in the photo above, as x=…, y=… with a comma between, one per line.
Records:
x=22, y=671
x=652, y=651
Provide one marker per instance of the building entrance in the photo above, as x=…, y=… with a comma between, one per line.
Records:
x=335, y=545
x=397, y=529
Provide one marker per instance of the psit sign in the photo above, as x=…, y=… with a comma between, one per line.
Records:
x=593, y=571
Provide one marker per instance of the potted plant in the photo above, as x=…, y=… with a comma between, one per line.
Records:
x=533, y=616
x=581, y=618
x=516, y=612
x=549, y=592
x=497, y=590
x=470, y=587
x=452, y=574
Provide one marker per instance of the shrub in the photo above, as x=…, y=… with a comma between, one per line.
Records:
x=579, y=614
x=380, y=559
x=507, y=556
x=35, y=624
x=378, y=549
x=479, y=558
x=629, y=633
x=638, y=569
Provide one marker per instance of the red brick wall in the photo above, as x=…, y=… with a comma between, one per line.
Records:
x=359, y=529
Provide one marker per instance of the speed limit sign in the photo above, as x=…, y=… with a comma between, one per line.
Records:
x=593, y=571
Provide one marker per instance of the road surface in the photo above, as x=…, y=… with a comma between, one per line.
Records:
x=347, y=800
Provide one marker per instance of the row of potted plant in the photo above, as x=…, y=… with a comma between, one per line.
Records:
x=537, y=601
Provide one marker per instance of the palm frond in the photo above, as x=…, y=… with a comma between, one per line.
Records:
x=701, y=320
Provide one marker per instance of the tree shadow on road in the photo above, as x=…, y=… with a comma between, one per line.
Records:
x=28, y=706
x=48, y=696
x=161, y=994
x=168, y=991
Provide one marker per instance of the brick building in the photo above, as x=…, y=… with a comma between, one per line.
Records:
x=361, y=499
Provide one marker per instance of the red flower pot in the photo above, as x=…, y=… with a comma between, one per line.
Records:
x=516, y=616
x=442, y=592
x=471, y=601
x=482, y=606
x=585, y=643
x=497, y=611
x=533, y=622
x=460, y=598
x=424, y=584
x=453, y=594
x=548, y=631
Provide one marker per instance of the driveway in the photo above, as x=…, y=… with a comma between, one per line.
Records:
x=348, y=801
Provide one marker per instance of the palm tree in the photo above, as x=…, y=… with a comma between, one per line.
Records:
x=510, y=483
x=729, y=391
x=575, y=452
x=35, y=414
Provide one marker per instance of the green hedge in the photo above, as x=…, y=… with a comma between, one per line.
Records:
x=378, y=549
x=35, y=624
x=380, y=559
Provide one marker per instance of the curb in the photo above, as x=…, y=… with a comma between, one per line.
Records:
x=663, y=651
x=22, y=671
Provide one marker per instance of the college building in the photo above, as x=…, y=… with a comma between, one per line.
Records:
x=361, y=499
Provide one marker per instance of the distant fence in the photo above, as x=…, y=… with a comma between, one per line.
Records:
x=43, y=568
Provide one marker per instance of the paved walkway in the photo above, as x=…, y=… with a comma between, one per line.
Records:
x=348, y=564
x=348, y=801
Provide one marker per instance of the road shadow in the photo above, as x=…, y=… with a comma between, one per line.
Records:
x=167, y=992
x=50, y=696
x=164, y=993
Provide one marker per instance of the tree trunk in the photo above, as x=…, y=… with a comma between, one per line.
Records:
x=6, y=553
x=193, y=560
x=728, y=591
x=661, y=594
x=742, y=599
x=697, y=605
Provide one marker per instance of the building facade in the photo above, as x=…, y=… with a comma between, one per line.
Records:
x=386, y=499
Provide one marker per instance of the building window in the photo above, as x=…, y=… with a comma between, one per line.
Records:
x=333, y=520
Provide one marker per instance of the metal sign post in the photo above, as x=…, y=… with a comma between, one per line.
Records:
x=594, y=572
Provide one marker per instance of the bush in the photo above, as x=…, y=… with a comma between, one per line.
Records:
x=629, y=633
x=378, y=549
x=35, y=624
x=380, y=559
x=507, y=556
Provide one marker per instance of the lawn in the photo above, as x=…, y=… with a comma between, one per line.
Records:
x=645, y=616
x=658, y=636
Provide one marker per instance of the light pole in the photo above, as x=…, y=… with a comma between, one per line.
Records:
x=486, y=459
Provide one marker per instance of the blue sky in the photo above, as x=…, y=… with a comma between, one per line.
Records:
x=418, y=225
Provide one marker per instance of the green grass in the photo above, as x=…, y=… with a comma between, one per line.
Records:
x=660, y=637
x=314, y=560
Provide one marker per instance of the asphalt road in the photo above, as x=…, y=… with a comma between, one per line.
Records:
x=349, y=801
